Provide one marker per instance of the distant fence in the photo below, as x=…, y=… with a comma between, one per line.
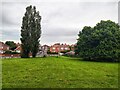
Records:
x=53, y=55
x=9, y=55
x=18, y=55
x=47, y=55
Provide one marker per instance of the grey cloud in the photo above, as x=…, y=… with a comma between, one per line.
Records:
x=58, y=39
x=60, y=32
x=61, y=21
x=10, y=35
x=11, y=14
x=6, y=21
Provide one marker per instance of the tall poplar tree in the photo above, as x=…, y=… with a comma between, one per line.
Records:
x=30, y=32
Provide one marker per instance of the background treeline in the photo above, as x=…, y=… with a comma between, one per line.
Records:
x=100, y=43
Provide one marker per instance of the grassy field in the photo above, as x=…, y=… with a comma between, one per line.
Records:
x=58, y=72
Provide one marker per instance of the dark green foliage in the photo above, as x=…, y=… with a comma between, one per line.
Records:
x=51, y=52
x=65, y=51
x=30, y=32
x=101, y=42
x=11, y=44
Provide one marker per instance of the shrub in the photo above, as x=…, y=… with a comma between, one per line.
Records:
x=101, y=42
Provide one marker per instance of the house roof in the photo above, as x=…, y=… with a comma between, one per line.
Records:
x=18, y=48
x=3, y=46
x=45, y=46
x=18, y=44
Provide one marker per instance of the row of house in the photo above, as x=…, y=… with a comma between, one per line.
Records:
x=53, y=48
x=3, y=47
x=56, y=48
x=61, y=47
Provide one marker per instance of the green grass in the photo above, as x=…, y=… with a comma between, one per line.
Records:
x=61, y=72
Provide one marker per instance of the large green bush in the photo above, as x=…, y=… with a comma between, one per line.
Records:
x=101, y=42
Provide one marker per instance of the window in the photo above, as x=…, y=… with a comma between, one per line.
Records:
x=1, y=51
x=66, y=48
x=62, y=48
x=7, y=48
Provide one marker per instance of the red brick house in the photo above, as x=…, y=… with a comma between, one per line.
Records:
x=18, y=49
x=73, y=47
x=3, y=47
x=59, y=47
x=43, y=50
x=18, y=44
x=45, y=47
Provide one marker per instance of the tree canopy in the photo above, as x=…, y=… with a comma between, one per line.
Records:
x=102, y=42
x=11, y=44
x=30, y=32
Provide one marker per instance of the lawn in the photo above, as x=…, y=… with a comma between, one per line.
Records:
x=58, y=72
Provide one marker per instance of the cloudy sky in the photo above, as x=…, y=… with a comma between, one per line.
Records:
x=61, y=19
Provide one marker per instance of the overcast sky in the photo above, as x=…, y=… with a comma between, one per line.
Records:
x=61, y=19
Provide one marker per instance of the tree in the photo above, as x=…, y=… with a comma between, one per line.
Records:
x=30, y=32
x=11, y=44
x=101, y=42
